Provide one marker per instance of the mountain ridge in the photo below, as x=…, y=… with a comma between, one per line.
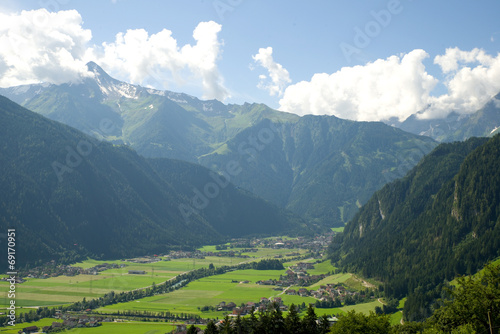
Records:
x=484, y=122
x=292, y=164
x=69, y=196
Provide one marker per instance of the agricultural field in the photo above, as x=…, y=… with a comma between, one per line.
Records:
x=68, y=289
x=56, y=291
x=228, y=287
x=208, y=291
x=129, y=327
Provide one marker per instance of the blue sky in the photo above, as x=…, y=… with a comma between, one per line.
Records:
x=307, y=39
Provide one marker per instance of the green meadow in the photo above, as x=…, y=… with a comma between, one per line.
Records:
x=228, y=287
x=208, y=291
x=129, y=327
x=55, y=291
x=363, y=308
x=60, y=290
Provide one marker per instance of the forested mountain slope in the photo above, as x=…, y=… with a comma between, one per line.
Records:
x=69, y=195
x=441, y=220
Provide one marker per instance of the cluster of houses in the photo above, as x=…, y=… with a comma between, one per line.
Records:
x=326, y=292
x=296, y=275
x=316, y=244
x=238, y=248
x=247, y=308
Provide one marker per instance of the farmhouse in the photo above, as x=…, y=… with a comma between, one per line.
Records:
x=303, y=292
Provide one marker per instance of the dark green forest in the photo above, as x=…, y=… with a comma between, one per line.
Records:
x=440, y=221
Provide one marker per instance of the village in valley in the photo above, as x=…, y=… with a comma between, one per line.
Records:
x=299, y=278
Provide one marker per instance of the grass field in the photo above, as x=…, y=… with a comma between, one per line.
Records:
x=64, y=289
x=131, y=327
x=396, y=317
x=208, y=291
x=61, y=290
x=68, y=289
x=363, y=308
x=322, y=268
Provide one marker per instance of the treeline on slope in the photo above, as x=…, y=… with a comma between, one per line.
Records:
x=69, y=196
x=440, y=221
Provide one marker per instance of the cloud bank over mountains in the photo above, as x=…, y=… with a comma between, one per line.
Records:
x=140, y=58
x=399, y=86
x=41, y=46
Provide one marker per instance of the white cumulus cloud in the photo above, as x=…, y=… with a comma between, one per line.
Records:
x=279, y=76
x=38, y=46
x=472, y=78
x=394, y=87
x=41, y=46
x=140, y=58
x=398, y=87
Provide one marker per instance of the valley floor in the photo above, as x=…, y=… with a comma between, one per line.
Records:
x=306, y=278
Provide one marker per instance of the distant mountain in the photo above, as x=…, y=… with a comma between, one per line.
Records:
x=455, y=127
x=439, y=221
x=322, y=168
x=68, y=195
